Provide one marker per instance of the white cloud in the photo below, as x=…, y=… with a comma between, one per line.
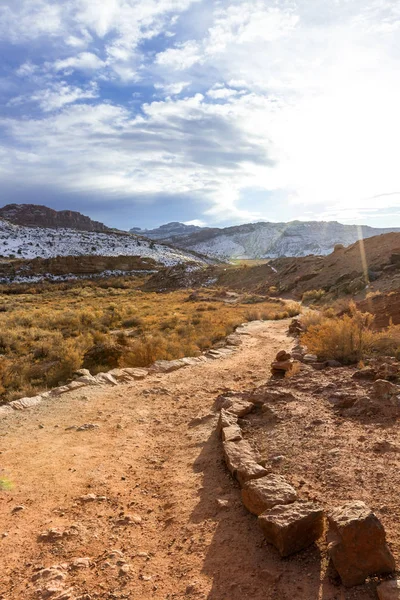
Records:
x=172, y=89
x=221, y=93
x=196, y=222
x=181, y=57
x=61, y=94
x=85, y=61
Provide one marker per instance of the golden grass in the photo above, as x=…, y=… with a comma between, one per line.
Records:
x=349, y=338
x=49, y=331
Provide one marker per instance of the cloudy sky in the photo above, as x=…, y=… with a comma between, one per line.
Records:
x=139, y=112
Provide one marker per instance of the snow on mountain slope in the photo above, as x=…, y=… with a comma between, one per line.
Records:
x=272, y=240
x=32, y=242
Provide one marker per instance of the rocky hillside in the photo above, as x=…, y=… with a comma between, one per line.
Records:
x=370, y=266
x=34, y=215
x=259, y=240
x=18, y=242
x=167, y=232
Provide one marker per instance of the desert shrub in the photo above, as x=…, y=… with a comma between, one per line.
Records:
x=311, y=296
x=132, y=322
x=292, y=308
x=312, y=318
x=346, y=339
x=102, y=356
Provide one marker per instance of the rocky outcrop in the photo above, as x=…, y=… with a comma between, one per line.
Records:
x=34, y=215
x=357, y=544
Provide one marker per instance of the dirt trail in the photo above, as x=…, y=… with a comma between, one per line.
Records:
x=157, y=459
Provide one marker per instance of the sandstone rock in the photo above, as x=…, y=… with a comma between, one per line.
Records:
x=295, y=327
x=389, y=590
x=292, y=527
x=384, y=390
x=58, y=391
x=282, y=356
x=259, y=495
x=310, y=358
x=136, y=373
x=25, y=402
x=106, y=378
x=283, y=365
x=120, y=375
x=81, y=563
x=226, y=418
x=5, y=410
x=82, y=373
x=366, y=374
x=238, y=407
x=54, y=573
x=88, y=379
x=357, y=543
x=233, y=340
x=231, y=433
x=166, y=366
x=241, y=462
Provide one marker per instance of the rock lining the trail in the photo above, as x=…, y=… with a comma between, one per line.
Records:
x=356, y=537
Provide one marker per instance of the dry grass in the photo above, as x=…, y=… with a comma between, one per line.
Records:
x=350, y=337
x=49, y=331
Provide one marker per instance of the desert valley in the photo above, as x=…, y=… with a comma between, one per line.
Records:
x=177, y=424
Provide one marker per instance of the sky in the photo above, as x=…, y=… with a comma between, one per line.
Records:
x=212, y=112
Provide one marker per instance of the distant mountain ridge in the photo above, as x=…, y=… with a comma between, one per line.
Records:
x=265, y=240
x=167, y=231
x=35, y=215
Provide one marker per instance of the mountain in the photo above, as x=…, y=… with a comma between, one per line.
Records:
x=35, y=215
x=19, y=242
x=268, y=240
x=168, y=231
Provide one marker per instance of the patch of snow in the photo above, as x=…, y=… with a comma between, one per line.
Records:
x=36, y=242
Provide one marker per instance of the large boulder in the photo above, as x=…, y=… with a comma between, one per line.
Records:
x=357, y=543
x=259, y=495
x=292, y=527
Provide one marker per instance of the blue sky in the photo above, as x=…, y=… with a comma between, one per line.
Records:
x=139, y=112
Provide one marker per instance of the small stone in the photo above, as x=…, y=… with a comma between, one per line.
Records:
x=222, y=504
x=282, y=356
x=124, y=570
x=261, y=494
x=292, y=527
x=17, y=509
x=81, y=563
x=87, y=426
x=389, y=590
x=357, y=544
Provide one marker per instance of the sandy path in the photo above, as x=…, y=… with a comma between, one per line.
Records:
x=160, y=468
